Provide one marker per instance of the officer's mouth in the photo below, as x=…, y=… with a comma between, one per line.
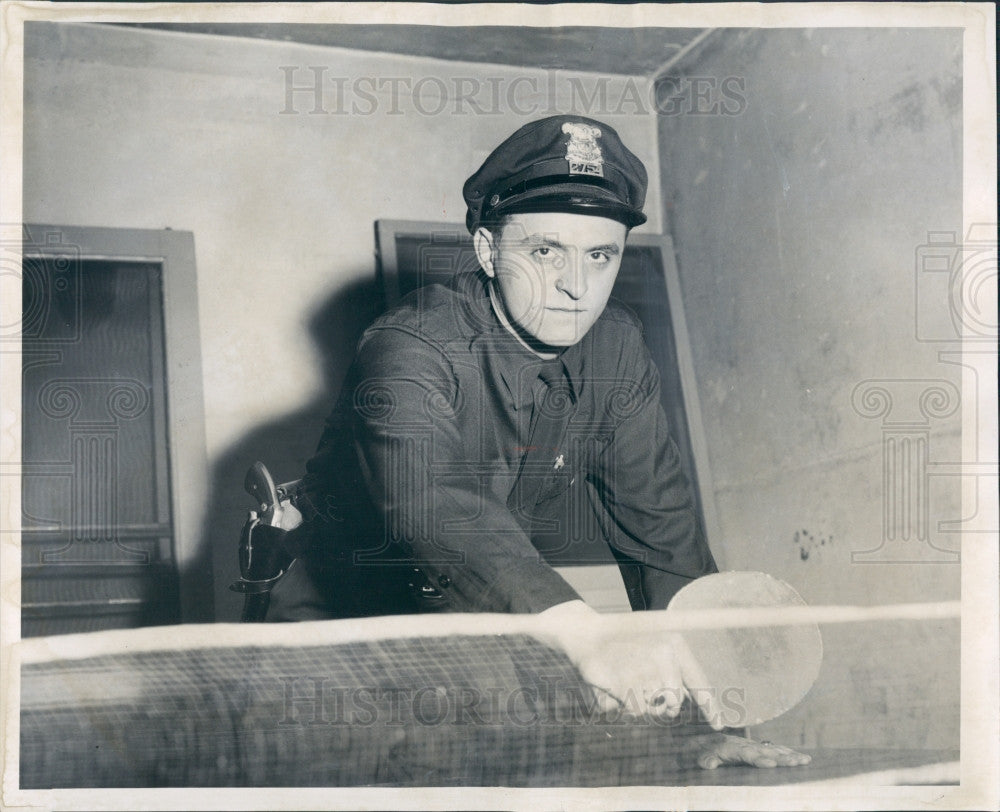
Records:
x=564, y=310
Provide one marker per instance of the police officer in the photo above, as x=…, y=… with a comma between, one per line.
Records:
x=497, y=415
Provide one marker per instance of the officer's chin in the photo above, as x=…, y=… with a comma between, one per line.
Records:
x=554, y=341
x=548, y=339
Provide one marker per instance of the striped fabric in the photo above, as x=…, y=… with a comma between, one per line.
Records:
x=480, y=711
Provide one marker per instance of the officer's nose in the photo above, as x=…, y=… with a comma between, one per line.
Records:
x=572, y=279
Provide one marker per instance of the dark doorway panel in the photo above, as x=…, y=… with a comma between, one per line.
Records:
x=99, y=532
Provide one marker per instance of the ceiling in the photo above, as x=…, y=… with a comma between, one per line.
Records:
x=629, y=51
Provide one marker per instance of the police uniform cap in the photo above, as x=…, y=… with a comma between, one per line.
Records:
x=560, y=163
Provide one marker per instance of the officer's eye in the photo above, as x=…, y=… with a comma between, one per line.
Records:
x=599, y=256
x=542, y=252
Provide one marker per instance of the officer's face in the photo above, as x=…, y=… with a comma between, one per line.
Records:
x=553, y=272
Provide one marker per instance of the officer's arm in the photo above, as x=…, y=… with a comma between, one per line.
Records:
x=429, y=485
x=649, y=514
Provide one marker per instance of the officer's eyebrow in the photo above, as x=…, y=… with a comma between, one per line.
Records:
x=611, y=248
x=608, y=248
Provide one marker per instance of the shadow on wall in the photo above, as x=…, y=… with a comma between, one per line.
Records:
x=284, y=445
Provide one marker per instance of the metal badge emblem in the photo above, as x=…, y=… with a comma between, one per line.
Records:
x=582, y=152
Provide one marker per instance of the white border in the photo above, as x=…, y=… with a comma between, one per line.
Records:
x=980, y=684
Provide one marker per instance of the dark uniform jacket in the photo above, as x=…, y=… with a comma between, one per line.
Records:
x=425, y=492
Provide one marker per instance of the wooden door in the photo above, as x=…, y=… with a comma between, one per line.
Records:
x=99, y=530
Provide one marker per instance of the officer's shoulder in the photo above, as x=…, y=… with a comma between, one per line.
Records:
x=619, y=317
x=432, y=314
x=615, y=341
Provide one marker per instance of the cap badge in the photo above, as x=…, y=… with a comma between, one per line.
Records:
x=582, y=152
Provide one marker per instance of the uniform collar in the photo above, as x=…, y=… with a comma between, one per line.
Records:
x=511, y=362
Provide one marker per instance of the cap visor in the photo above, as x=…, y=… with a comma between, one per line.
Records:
x=573, y=198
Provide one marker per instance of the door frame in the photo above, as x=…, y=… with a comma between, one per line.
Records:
x=187, y=452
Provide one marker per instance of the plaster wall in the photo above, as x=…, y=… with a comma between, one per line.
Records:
x=800, y=221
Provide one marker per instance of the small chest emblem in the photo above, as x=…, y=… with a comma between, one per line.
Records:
x=559, y=463
x=582, y=151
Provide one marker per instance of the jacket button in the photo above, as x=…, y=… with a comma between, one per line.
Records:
x=444, y=581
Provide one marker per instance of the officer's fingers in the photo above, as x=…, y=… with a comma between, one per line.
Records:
x=785, y=756
x=287, y=516
x=757, y=755
x=738, y=750
x=793, y=759
x=709, y=761
x=719, y=750
x=767, y=755
x=663, y=692
x=606, y=701
x=731, y=750
x=666, y=702
x=693, y=677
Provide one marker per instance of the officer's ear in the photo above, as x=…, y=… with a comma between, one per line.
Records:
x=483, y=242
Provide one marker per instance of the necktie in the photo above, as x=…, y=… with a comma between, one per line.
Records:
x=554, y=407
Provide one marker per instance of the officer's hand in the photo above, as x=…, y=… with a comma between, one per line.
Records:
x=631, y=675
x=717, y=750
x=286, y=516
